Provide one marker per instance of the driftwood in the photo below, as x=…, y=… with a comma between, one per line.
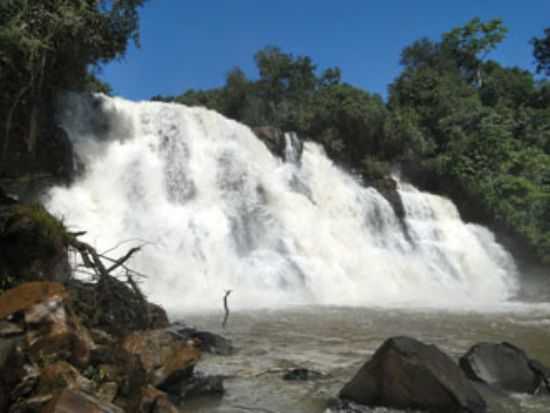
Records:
x=115, y=293
x=226, y=308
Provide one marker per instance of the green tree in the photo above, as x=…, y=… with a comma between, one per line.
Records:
x=541, y=52
x=48, y=46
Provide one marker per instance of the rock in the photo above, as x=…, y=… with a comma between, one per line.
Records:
x=497, y=401
x=543, y=373
x=276, y=142
x=407, y=374
x=119, y=313
x=8, y=329
x=301, y=374
x=206, y=341
x=502, y=366
x=61, y=375
x=155, y=401
x=7, y=348
x=27, y=383
x=165, y=359
x=26, y=295
x=53, y=332
x=107, y=392
x=71, y=401
x=197, y=386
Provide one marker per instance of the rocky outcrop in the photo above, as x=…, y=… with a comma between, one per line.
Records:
x=278, y=144
x=165, y=359
x=407, y=374
x=505, y=367
x=50, y=362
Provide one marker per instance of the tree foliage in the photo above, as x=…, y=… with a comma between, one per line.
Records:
x=49, y=46
x=541, y=52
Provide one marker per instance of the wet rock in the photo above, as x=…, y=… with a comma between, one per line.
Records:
x=61, y=375
x=8, y=329
x=206, y=341
x=301, y=374
x=543, y=373
x=276, y=142
x=502, y=366
x=155, y=401
x=79, y=402
x=407, y=374
x=165, y=359
x=497, y=400
x=197, y=386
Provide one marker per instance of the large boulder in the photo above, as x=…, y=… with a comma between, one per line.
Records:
x=51, y=330
x=407, y=374
x=166, y=360
x=504, y=366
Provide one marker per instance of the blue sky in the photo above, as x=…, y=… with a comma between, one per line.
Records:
x=193, y=44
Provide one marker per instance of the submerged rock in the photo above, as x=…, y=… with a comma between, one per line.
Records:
x=407, y=374
x=503, y=366
x=207, y=342
x=301, y=374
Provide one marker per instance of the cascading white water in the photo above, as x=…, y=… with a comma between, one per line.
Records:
x=218, y=211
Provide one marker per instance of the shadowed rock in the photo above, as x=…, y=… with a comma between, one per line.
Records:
x=407, y=374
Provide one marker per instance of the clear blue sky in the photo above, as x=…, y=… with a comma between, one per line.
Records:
x=194, y=43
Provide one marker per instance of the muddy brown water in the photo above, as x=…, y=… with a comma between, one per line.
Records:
x=336, y=341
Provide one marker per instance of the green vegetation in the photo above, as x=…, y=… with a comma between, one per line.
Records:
x=50, y=46
x=465, y=121
x=49, y=227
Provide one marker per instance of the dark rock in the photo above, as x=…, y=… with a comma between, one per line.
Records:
x=301, y=374
x=197, y=386
x=503, y=366
x=276, y=142
x=543, y=373
x=407, y=374
x=497, y=400
x=206, y=341
x=31, y=404
x=119, y=313
x=8, y=329
x=33, y=245
x=155, y=401
x=79, y=402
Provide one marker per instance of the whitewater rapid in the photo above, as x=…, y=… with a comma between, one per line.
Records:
x=215, y=210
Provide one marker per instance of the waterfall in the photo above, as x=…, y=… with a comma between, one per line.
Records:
x=216, y=210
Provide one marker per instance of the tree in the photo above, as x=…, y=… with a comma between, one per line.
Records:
x=541, y=52
x=48, y=46
x=472, y=43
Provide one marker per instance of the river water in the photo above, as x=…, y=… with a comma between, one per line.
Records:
x=336, y=341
